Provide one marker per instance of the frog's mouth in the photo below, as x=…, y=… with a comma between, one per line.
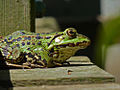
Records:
x=81, y=45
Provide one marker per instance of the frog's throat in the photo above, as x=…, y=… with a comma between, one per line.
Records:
x=81, y=45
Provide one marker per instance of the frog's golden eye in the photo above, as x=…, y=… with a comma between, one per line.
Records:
x=71, y=32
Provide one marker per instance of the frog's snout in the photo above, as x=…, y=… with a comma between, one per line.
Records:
x=88, y=42
x=84, y=41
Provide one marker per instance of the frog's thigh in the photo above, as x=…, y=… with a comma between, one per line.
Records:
x=18, y=66
x=10, y=53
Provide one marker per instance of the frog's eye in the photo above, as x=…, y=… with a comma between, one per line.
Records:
x=71, y=32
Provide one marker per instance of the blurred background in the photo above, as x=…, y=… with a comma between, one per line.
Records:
x=97, y=19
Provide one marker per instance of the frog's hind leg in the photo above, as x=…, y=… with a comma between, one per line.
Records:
x=12, y=56
x=57, y=64
x=61, y=64
x=17, y=66
x=38, y=57
x=66, y=63
x=34, y=61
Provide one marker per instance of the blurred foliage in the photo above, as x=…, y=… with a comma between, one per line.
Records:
x=109, y=33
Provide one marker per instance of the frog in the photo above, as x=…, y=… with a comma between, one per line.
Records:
x=39, y=50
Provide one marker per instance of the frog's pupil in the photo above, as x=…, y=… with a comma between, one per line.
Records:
x=71, y=32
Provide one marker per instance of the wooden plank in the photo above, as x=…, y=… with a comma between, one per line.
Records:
x=16, y=15
x=79, y=59
x=76, y=73
x=108, y=86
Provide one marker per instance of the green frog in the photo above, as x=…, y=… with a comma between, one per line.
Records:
x=35, y=50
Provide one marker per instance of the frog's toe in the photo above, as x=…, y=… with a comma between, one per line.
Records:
x=57, y=64
x=61, y=64
x=28, y=64
x=40, y=62
x=66, y=63
x=29, y=57
x=36, y=66
x=17, y=66
x=37, y=60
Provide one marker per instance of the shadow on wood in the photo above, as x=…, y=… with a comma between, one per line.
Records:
x=5, y=81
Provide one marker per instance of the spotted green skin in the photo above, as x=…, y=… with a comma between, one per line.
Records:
x=46, y=50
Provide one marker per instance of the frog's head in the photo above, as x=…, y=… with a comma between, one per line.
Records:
x=69, y=39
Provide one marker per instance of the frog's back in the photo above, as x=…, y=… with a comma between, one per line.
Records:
x=18, y=33
x=8, y=40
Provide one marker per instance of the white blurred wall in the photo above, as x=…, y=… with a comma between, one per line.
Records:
x=113, y=61
x=110, y=8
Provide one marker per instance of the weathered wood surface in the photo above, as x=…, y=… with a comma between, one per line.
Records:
x=16, y=15
x=108, y=86
x=82, y=71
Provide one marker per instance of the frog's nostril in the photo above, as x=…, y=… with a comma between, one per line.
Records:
x=89, y=42
x=84, y=41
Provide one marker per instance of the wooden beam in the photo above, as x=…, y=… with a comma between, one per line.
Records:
x=81, y=71
x=16, y=15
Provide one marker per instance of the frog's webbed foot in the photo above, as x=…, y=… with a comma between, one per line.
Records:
x=32, y=65
x=66, y=63
x=57, y=64
x=61, y=64
x=17, y=66
x=36, y=66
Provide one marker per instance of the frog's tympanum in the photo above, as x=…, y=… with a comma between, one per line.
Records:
x=30, y=50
